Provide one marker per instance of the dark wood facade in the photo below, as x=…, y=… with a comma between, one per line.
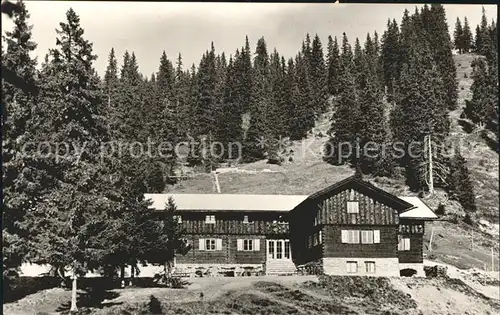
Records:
x=229, y=227
x=229, y=253
x=414, y=230
x=232, y=223
x=325, y=214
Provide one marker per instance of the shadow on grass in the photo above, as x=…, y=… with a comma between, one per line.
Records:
x=24, y=286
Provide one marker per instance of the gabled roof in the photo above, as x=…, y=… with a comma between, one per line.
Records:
x=419, y=211
x=365, y=187
x=227, y=202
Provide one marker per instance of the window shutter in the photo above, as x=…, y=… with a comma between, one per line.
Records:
x=218, y=244
x=355, y=234
x=376, y=236
x=239, y=244
x=256, y=245
x=344, y=236
x=202, y=243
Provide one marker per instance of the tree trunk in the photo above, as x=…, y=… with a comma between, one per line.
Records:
x=132, y=272
x=431, y=175
x=73, y=293
x=122, y=276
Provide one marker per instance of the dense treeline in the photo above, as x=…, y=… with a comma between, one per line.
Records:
x=85, y=209
x=64, y=203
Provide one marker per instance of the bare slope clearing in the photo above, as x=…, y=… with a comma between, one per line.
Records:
x=277, y=296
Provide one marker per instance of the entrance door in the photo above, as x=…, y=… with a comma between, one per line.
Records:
x=278, y=249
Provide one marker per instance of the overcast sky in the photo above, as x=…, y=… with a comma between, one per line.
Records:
x=148, y=28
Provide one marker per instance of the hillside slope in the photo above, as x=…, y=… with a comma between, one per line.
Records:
x=275, y=295
x=308, y=173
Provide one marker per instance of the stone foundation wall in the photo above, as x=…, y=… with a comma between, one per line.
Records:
x=384, y=267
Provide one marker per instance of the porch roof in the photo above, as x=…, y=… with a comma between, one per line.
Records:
x=227, y=202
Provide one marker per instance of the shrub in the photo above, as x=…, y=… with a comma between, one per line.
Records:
x=465, y=75
x=176, y=283
x=441, y=210
x=468, y=219
x=154, y=305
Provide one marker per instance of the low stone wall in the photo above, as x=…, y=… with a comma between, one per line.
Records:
x=218, y=270
x=384, y=267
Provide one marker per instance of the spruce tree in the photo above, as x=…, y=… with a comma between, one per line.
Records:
x=441, y=47
x=482, y=108
x=230, y=130
x=21, y=180
x=318, y=74
x=333, y=65
x=467, y=37
x=111, y=84
x=391, y=57
x=460, y=186
x=207, y=103
x=344, y=128
x=371, y=120
x=419, y=111
x=304, y=108
x=458, y=37
x=290, y=99
x=71, y=222
x=258, y=132
x=359, y=62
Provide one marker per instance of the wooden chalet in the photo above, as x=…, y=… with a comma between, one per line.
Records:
x=351, y=227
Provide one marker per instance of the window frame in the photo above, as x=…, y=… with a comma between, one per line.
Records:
x=369, y=236
x=349, y=264
x=370, y=263
x=208, y=244
x=249, y=245
x=349, y=208
x=402, y=244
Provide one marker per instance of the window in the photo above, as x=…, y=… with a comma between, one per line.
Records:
x=210, y=244
x=350, y=236
x=178, y=218
x=279, y=250
x=369, y=266
x=352, y=207
x=320, y=236
x=210, y=219
x=367, y=237
x=271, y=249
x=287, y=249
x=247, y=244
x=316, y=220
x=352, y=267
x=404, y=244
x=245, y=219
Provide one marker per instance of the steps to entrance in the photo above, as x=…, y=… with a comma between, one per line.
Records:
x=280, y=267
